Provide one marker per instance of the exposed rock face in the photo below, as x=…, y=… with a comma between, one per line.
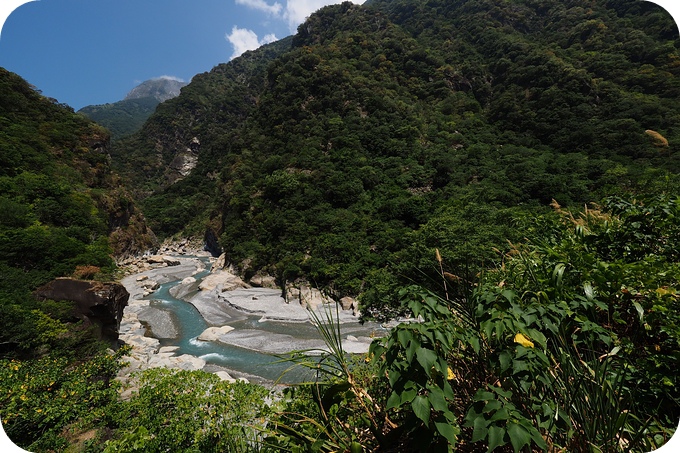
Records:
x=134, y=265
x=212, y=243
x=97, y=304
x=263, y=281
x=348, y=303
x=223, y=280
x=220, y=263
x=303, y=294
x=214, y=333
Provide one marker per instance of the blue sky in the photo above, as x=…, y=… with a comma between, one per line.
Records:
x=83, y=52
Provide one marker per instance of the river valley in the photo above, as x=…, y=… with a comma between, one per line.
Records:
x=172, y=320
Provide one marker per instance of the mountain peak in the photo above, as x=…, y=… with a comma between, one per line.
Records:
x=161, y=89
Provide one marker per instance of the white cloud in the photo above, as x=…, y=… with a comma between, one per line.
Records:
x=262, y=5
x=298, y=10
x=294, y=13
x=169, y=77
x=243, y=39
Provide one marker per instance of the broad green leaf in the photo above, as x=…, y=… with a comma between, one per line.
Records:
x=421, y=407
x=437, y=399
x=639, y=309
x=404, y=336
x=408, y=395
x=496, y=434
x=480, y=429
x=491, y=406
x=474, y=341
x=519, y=436
x=413, y=347
x=505, y=360
x=393, y=376
x=448, y=431
x=426, y=358
x=482, y=395
x=588, y=290
x=519, y=366
x=509, y=295
x=393, y=401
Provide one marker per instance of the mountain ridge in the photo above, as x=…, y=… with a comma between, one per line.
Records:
x=127, y=116
x=338, y=154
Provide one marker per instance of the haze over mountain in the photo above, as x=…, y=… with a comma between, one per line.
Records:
x=128, y=115
x=161, y=89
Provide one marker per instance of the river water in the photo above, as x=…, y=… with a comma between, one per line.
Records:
x=253, y=365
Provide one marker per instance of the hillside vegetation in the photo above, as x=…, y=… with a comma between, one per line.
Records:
x=63, y=211
x=127, y=116
x=338, y=157
x=123, y=117
x=505, y=173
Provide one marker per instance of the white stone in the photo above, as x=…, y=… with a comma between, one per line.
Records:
x=223, y=280
x=214, y=333
x=223, y=375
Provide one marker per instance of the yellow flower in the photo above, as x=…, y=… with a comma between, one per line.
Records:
x=523, y=340
x=450, y=374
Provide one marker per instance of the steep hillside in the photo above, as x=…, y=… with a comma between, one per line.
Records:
x=128, y=115
x=392, y=128
x=63, y=210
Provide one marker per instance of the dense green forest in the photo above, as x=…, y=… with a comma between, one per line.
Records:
x=63, y=211
x=127, y=116
x=506, y=172
x=377, y=125
x=123, y=117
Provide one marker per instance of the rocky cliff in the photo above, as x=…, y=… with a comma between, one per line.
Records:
x=97, y=304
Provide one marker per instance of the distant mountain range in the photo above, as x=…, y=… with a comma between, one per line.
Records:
x=127, y=116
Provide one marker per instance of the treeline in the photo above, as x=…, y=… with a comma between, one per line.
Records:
x=63, y=212
x=336, y=159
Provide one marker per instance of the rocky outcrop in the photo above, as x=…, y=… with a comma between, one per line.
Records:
x=98, y=304
x=223, y=281
x=134, y=265
x=214, y=333
x=305, y=295
x=212, y=243
x=263, y=281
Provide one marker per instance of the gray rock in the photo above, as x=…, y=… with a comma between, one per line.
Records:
x=214, y=333
x=224, y=280
x=98, y=304
x=348, y=303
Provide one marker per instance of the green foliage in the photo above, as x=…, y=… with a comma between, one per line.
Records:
x=124, y=117
x=336, y=155
x=189, y=411
x=414, y=359
x=41, y=400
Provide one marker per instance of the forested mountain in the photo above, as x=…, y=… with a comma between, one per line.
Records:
x=63, y=210
x=128, y=115
x=347, y=148
x=505, y=173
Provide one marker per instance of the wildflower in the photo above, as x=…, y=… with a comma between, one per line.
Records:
x=523, y=340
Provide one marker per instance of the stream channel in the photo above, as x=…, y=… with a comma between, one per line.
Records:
x=238, y=361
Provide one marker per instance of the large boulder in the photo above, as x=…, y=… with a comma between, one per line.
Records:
x=223, y=280
x=305, y=295
x=214, y=333
x=98, y=304
x=263, y=281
